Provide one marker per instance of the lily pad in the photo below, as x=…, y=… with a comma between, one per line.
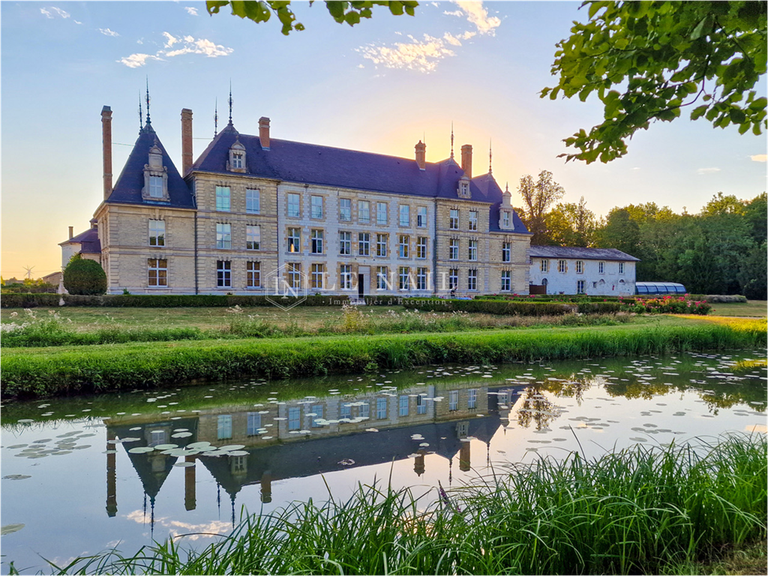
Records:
x=10, y=529
x=141, y=450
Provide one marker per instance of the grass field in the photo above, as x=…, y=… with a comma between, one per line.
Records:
x=752, y=309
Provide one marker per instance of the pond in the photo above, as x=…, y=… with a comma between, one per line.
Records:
x=86, y=474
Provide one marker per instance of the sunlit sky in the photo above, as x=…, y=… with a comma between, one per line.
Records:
x=379, y=87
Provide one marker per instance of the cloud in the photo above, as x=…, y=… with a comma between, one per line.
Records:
x=191, y=11
x=478, y=15
x=707, y=170
x=418, y=55
x=181, y=45
x=759, y=158
x=454, y=13
x=46, y=13
x=108, y=32
x=137, y=60
x=189, y=530
x=49, y=12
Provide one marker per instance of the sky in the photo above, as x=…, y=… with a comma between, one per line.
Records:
x=380, y=86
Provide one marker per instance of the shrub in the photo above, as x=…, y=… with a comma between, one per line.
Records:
x=719, y=298
x=85, y=277
x=490, y=306
x=29, y=300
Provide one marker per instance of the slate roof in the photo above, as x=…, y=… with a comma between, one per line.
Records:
x=88, y=240
x=581, y=253
x=490, y=188
x=127, y=189
x=327, y=166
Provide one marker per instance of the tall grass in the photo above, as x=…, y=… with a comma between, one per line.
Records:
x=636, y=511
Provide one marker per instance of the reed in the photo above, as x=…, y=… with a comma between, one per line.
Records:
x=635, y=511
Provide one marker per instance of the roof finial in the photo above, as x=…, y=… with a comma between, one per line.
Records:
x=230, y=102
x=490, y=157
x=141, y=114
x=148, y=121
x=506, y=189
x=216, y=118
x=451, y=140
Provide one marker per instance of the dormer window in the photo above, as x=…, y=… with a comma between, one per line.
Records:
x=236, y=157
x=155, y=177
x=463, y=191
x=506, y=219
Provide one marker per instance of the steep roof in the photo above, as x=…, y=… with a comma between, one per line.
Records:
x=127, y=189
x=88, y=240
x=490, y=188
x=581, y=253
x=327, y=166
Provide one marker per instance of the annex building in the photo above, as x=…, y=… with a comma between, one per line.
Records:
x=258, y=215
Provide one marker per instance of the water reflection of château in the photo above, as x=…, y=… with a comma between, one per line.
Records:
x=296, y=445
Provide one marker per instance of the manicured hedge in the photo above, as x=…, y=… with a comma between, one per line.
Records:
x=489, y=306
x=600, y=307
x=719, y=298
x=162, y=301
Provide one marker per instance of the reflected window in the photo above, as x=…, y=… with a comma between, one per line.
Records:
x=381, y=408
x=365, y=410
x=254, y=423
x=346, y=411
x=453, y=400
x=158, y=437
x=421, y=405
x=294, y=418
x=403, y=405
x=317, y=410
x=472, y=399
x=224, y=429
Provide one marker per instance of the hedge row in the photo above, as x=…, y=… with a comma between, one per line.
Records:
x=163, y=301
x=719, y=298
x=570, y=298
x=489, y=306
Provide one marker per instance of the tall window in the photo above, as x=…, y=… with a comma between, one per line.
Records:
x=472, y=279
x=545, y=265
x=158, y=272
x=253, y=275
x=506, y=281
x=403, y=245
x=472, y=399
x=294, y=418
x=381, y=245
x=405, y=215
x=364, y=244
x=381, y=213
x=580, y=287
x=294, y=205
x=294, y=239
x=155, y=186
x=579, y=267
x=252, y=201
x=223, y=236
x=345, y=243
x=404, y=273
x=473, y=219
x=345, y=275
x=345, y=411
x=254, y=423
x=157, y=232
x=421, y=217
x=473, y=249
x=381, y=408
x=621, y=267
x=365, y=410
x=363, y=211
x=317, y=410
x=345, y=209
x=404, y=405
x=453, y=249
x=317, y=275
x=561, y=266
x=222, y=199
x=421, y=247
x=223, y=274
x=382, y=278
x=294, y=275
x=421, y=279
x=252, y=237
x=224, y=426
x=453, y=278
x=453, y=400
x=454, y=220
x=316, y=203
x=506, y=251
x=601, y=267
x=421, y=405
x=505, y=219
x=316, y=236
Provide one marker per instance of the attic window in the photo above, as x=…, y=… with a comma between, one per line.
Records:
x=236, y=157
x=463, y=190
x=155, y=186
x=155, y=177
x=505, y=219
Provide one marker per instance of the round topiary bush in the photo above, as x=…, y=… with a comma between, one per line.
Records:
x=85, y=277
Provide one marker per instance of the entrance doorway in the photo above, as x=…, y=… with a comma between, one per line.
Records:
x=361, y=285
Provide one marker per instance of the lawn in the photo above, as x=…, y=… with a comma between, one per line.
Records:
x=752, y=309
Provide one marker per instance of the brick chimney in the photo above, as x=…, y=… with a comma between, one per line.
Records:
x=106, y=144
x=71, y=232
x=264, y=132
x=186, y=141
x=466, y=160
x=421, y=155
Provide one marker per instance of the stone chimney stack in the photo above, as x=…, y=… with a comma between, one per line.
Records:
x=421, y=155
x=71, y=232
x=186, y=141
x=106, y=143
x=466, y=160
x=264, y=132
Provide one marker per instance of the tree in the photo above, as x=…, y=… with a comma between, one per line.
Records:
x=538, y=197
x=572, y=225
x=620, y=232
x=349, y=12
x=662, y=57
x=723, y=205
x=84, y=277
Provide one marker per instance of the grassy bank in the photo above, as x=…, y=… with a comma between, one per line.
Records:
x=35, y=372
x=636, y=511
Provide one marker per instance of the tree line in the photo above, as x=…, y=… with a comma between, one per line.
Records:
x=720, y=250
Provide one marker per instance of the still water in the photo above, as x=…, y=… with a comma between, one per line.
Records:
x=83, y=475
